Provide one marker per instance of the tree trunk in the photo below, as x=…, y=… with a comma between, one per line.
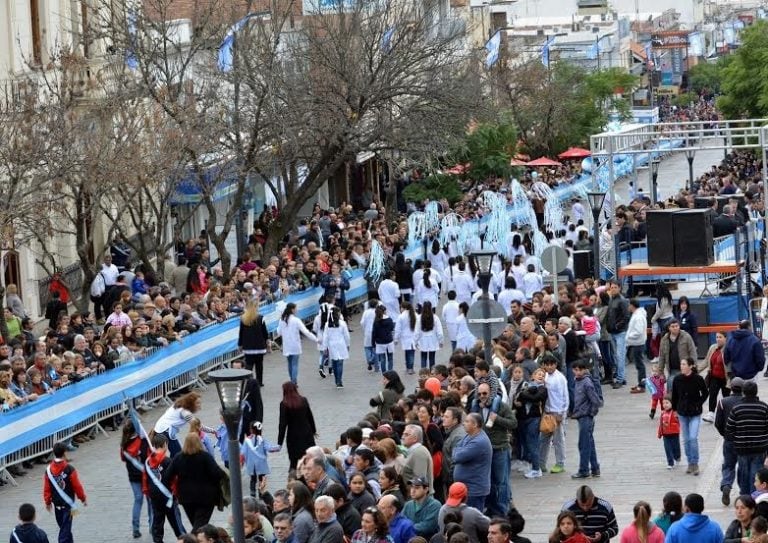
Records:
x=3, y=324
x=393, y=175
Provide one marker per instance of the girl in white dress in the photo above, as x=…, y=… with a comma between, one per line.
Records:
x=429, y=335
x=290, y=328
x=464, y=338
x=405, y=334
x=428, y=290
x=336, y=342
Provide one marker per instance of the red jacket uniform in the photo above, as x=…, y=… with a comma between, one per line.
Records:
x=669, y=424
x=66, y=477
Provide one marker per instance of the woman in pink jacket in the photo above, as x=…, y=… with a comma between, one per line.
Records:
x=642, y=530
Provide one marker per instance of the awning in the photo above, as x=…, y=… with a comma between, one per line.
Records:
x=224, y=176
x=364, y=156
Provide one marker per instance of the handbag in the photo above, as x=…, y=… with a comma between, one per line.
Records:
x=548, y=423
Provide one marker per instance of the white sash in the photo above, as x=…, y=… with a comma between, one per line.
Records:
x=13, y=533
x=63, y=495
x=160, y=486
x=134, y=462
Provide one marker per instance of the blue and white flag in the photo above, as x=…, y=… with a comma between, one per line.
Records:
x=649, y=52
x=593, y=51
x=492, y=46
x=138, y=427
x=545, y=51
x=226, y=48
x=130, y=58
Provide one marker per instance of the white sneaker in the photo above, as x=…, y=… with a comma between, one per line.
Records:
x=514, y=465
x=533, y=474
x=524, y=467
x=709, y=417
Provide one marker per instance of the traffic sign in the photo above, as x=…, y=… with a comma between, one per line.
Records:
x=554, y=259
x=486, y=312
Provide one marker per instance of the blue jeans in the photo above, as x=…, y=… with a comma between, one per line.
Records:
x=138, y=500
x=748, y=466
x=453, y=345
x=338, y=370
x=672, y=448
x=571, y=380
x=609, y=364
x=293, y=368
x=427, y=355
x=690, y=429
x=498, y=500
x=636, y=355
x=728, y=470
x=587, y=451
x=530, y=437
x=64, y=520
x=478, y=502
x=370, y=356
x=620, y=342
x=410, y=356
x=385, y=361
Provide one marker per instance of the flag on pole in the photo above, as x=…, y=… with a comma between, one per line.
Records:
x=138, y=427
x=226, y=48
x=649, y=52
x=593, y=51
x=386, y=39
x=545, y=51
x=130, y=58
x=492, y=47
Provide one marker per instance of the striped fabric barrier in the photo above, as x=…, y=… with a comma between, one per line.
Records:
x=101, y=396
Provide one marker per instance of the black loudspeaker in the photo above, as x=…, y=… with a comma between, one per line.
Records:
x=693, y=241
x=660, y=232
x=702, y=202
x=582, y=265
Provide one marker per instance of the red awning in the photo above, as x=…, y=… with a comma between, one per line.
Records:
x=543, y=161
x=575, y=152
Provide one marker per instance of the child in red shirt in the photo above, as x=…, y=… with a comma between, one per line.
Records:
x=669, y=431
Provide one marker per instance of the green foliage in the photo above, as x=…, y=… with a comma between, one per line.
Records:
x=684, y=99
x=562, y=107
x=707, y=76
x=489, y=149
x=744, y=83
x=434, y=187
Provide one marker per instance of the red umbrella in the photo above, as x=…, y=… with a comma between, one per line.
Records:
x=574, y=152
x=516, y=162
x=543, y=161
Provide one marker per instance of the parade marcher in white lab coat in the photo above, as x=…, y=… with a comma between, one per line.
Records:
x=464, y=338
x=429, y=335
x=290, y=328
x=428, y=289
x=464, y=284
x=450, y=313
x=510, y=293
x=366, y=323
x=335, y=342
x=405, y=334
x=389, y=294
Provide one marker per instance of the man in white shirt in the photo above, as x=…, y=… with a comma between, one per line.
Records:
x=557, y=405
x=509, y=294
x=389, y=294
x=450, y=315
x=366, y=323
x=109, y=271
x=532, y=282
x=464, y=284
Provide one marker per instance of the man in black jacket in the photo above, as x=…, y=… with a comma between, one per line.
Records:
x=617, y=321
x=747, y=428
x=724, y=406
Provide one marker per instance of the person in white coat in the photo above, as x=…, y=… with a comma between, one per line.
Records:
x=437, y=258
x=366, y=323
x=450, y=314
x=336, y=343
x=418, y=275
x=317, y=328
x=532, y=282
x=450, y=271
x=510, y=294
x=389, y=294
x=429, y=335
x=405, y=334
x=464, y=284
x=428, y=289
x=290, y=328
x=636, y=338
x=464, y=338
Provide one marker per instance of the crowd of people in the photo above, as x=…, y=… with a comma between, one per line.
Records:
x=434, y=464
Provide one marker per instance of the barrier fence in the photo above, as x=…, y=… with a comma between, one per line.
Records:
x=31, y=430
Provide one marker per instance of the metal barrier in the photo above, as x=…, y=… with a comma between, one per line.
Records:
x=154, y=396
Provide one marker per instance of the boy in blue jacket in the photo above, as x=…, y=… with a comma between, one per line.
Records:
x=586, y=404
x=27, y=531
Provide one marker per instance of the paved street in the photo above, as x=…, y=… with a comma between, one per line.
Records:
x=632, y=458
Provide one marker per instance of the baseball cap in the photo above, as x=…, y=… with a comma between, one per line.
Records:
x=457, y=493
x=367, y=433
x=737, y=382
x=418, y=481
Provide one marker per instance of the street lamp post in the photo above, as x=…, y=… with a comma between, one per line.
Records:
x=690, y=154
x=230, y=384
x=484, y=262
x=596, y=200
x=655, y=163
